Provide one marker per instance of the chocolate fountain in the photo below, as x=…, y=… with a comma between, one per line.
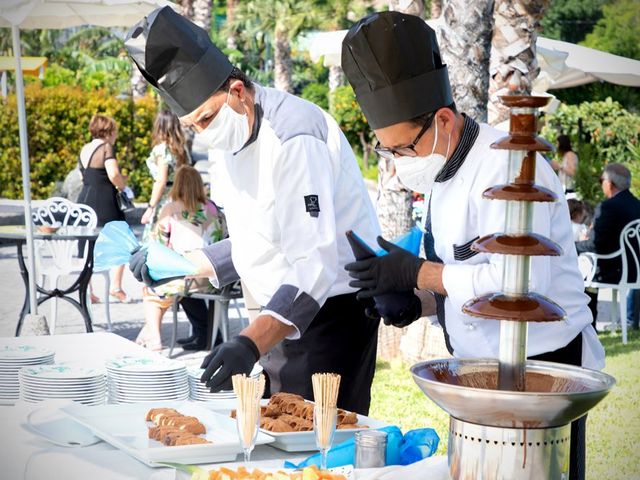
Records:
x=510, y=418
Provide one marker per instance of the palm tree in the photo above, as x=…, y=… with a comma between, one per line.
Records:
x=436, y=8
x=513, y=55
x=231, y=13
x=412, y=7
x=465, y=45
x=280, y=21
x=202, y=14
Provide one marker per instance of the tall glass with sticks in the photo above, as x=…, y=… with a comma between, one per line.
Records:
x=325, y=395
x=249, y=392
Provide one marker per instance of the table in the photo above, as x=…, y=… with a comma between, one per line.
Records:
x=18, y=234
x=24, y=455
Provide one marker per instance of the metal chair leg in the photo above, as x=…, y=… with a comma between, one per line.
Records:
x=54, y=306
x=174, y=330
x=107, y=281
x=623, y=313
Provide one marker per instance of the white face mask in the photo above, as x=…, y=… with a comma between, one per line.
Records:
x=419, y=173
x=229, y=131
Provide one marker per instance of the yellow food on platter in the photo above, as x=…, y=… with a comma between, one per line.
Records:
x=308, y=473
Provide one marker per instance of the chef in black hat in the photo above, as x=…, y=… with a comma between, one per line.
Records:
x=393, y=62
x=290, y=188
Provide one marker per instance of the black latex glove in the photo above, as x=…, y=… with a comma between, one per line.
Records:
x=395, y=272
x=399, y=309
x=140, y=270
x=238, y=355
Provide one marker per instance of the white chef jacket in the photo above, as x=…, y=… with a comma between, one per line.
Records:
x=289, y=196
x=459, y=215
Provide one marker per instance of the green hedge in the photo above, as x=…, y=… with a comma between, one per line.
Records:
x=58, y=124
x=606, y=134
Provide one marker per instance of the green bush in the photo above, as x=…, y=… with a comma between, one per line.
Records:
x=345, y=109
x=607, y=130
x=58, y=125
x=317, y=93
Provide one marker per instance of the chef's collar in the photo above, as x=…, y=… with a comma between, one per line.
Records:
x=468, y=137
x=258, y=112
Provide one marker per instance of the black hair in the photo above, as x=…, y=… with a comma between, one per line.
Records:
x=564, y=144
x=237, y=74
x=577, y=210
x=427, y=118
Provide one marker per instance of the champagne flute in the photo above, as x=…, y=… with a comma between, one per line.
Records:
x=324, y=427
x=248, y=422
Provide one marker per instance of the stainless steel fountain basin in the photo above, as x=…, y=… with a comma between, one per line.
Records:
x=556, y=394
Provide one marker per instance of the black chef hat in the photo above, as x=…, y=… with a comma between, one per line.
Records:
x=392, y=61
x=177, y=58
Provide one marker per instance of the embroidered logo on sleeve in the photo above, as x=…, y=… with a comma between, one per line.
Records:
x=312, y=205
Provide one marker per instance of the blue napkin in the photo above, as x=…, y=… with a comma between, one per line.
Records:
x=115, y=243
x=401, y=450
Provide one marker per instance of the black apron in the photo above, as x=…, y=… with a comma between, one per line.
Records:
x=341, y=339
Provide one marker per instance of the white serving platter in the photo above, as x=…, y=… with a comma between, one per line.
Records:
x=306, y=441
x=124, y=427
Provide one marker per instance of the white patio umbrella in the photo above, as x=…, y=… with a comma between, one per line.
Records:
x=562, y=64
x=32, y=14
x=565, y=65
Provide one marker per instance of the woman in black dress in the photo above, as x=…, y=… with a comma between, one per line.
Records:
x=101, y=180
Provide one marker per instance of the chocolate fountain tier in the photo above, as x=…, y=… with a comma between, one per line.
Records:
x=530, y=244
x=520, y=193
x=555, y=394
x=527, y=307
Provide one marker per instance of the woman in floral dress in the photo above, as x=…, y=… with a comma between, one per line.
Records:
x=168, y=154
x=188, y=221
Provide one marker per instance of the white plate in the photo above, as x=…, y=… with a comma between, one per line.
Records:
x=61, y=372
x=10, y=352
x=306, y=441
x=50, y=423
x=348, y=471
x=124, y=427
x=143, y=365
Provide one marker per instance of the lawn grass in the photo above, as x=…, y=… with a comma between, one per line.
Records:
x=613, y=427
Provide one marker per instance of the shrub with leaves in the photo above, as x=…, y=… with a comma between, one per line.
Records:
x=58, y=125
x=347, y=112
x=605, y=133
x=317, y=93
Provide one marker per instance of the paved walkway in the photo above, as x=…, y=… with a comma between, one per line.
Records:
x=127, y=319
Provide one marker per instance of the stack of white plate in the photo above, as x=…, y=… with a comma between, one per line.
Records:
x=12, y=359
x=135, y=379
x=80, y=384
x=200, y=392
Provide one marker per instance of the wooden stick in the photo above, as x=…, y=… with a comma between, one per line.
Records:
x=325, y=394
x=249, y=392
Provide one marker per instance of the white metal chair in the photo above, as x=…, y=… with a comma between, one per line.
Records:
x=629, y=254
x=57, y=258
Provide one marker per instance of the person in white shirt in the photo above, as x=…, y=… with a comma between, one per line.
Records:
x=290, y=188
x=393, y=62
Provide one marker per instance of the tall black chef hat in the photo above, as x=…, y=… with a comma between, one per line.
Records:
x=177, y=58
x=393, y=63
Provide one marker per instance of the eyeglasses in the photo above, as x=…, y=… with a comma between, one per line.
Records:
x=407, y=150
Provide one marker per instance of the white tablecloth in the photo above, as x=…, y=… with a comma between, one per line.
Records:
x=25, y=455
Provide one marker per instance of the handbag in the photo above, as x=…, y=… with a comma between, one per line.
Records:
x=124, y=202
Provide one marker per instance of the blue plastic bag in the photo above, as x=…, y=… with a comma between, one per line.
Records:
x=114, y=245
x=116, y=242
x=401, y=450
x=410, y=241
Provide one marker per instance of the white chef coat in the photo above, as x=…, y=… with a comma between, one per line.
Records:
x=460, y=215
x=289, y=196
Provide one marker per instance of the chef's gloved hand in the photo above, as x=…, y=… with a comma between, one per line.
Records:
x=140, y=270
x=395, y=272
x=238, y=355
x=399, y=309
